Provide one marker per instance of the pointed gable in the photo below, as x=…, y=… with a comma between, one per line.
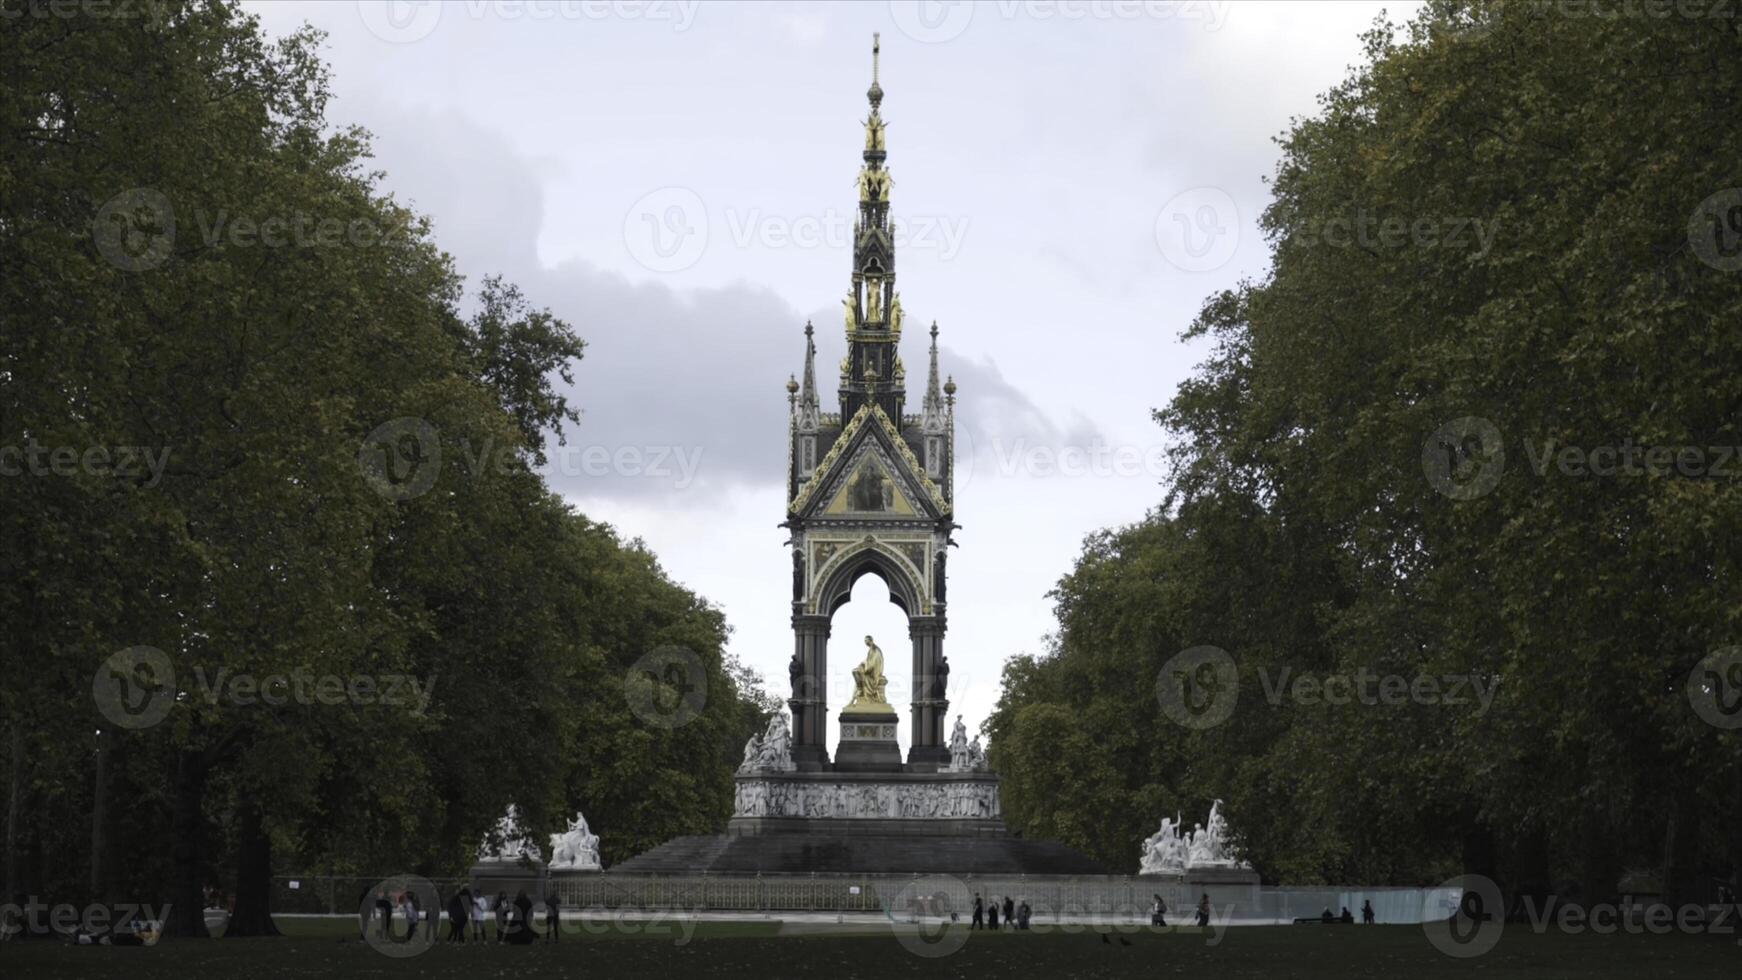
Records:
x=870, y=472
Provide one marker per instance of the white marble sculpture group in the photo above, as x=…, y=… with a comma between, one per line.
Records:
x=772, y=752
x=577, y=849
x=965, y=756
x=977, y=800
x=1167, y=852
x=514, y=845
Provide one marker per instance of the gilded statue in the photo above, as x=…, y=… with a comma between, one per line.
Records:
x=869, y=684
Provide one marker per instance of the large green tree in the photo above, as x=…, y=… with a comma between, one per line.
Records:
x=1519, y=214
x=196, y=262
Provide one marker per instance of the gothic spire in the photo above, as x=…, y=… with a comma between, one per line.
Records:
x=873, y=310
x=932, y=409
x=809, y=415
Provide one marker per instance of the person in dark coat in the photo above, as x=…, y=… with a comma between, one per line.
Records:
x=552, y=919
x=501, y=917
x=979, y=921
x=1022, y=914
x=1009, y=912
x=1367, y=917
x=383, y=914
x=520, y=929
x=459, y=908
x=992, y=915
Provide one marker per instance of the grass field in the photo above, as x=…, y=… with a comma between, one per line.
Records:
x=757, y=950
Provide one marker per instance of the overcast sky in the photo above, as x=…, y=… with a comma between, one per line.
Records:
x=677, y=181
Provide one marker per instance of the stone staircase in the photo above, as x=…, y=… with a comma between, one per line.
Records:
x=797, y=853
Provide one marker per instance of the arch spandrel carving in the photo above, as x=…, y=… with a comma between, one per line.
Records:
x=833, y=585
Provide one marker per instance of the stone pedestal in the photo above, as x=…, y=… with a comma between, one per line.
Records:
x=868, y=741
x=1225, y=886
x=508, y=877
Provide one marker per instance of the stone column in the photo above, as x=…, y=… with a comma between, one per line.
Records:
x=810, y=697
x=929, y=704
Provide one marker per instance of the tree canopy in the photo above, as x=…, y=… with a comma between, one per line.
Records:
x=1505, y=250
x=199, y=270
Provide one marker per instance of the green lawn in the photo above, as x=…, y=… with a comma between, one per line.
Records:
x=752, y=950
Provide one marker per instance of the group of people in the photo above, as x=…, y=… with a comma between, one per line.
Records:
x=1158, y=911
x=1347, y=918
x=514, y=919
x=986, y=916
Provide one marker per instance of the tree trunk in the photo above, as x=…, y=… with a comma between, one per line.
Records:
x=253, y=914
x=1681, y=852
x=13, y=803
x=99, y=803
x=187, y=916
x=1736, y=843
